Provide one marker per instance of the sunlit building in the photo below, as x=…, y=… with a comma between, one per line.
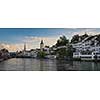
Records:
x=87, y=49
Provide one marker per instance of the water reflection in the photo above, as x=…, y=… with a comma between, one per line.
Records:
x=47, y=65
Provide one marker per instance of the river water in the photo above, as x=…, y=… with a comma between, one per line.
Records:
x=27, y=64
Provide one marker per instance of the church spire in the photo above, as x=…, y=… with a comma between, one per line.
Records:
x=41, y=42
x=41, y=45
x=24, y=47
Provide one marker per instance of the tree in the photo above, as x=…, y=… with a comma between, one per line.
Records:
x=4, y=53
x=4, y=50
x=65, y=53
x=62, y=41
x=69, y=52
x=41, y=54
x=75, y=39
x=61, y=53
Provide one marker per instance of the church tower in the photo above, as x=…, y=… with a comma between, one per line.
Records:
x=24, y=47
x=41, y=45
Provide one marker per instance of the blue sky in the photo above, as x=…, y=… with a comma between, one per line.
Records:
x=16, y=37
x=13, y=35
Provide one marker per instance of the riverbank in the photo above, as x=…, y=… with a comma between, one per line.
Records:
x=71, y=59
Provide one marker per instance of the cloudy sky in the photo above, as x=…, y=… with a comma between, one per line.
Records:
x=14, y=38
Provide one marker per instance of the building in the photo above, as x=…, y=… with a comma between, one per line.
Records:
x=27, y=53
x=46, y=49
x=41, y=45
x=33, y=53
x=87, y=49
x=24, y=50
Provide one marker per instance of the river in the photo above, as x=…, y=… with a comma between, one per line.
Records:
x=27, y=64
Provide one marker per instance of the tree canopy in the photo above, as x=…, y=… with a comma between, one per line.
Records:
x=41, y=54
x=62, y=41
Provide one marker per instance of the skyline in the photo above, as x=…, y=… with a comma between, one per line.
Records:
x=14, y=38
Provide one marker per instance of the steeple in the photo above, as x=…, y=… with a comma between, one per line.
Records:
x=41, y=45
x=24, y=47
x=41, y=42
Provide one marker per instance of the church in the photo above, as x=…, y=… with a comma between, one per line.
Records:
x=31, y=53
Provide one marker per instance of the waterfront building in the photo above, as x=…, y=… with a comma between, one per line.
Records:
x=27, y=53
x=87, y=49
x=33, y=53
x=47, y=50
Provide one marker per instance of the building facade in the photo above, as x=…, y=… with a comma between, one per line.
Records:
x=41, y=45
x=87, y=49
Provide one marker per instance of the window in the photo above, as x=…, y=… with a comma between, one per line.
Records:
x=86, y=57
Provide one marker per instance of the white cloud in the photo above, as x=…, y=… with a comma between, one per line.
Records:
x=11, y=47
x=34, y=42
x=31, y=43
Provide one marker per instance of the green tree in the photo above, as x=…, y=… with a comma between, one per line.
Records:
x=69, y=51
x=62, y=41
x=75, y=39
x=65, y=53
x=41, y=54
x=61, y=53
x=4, y=50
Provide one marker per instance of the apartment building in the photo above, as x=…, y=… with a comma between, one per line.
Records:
x=87, y=49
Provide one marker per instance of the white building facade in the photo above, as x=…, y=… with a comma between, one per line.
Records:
x=87, y=49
